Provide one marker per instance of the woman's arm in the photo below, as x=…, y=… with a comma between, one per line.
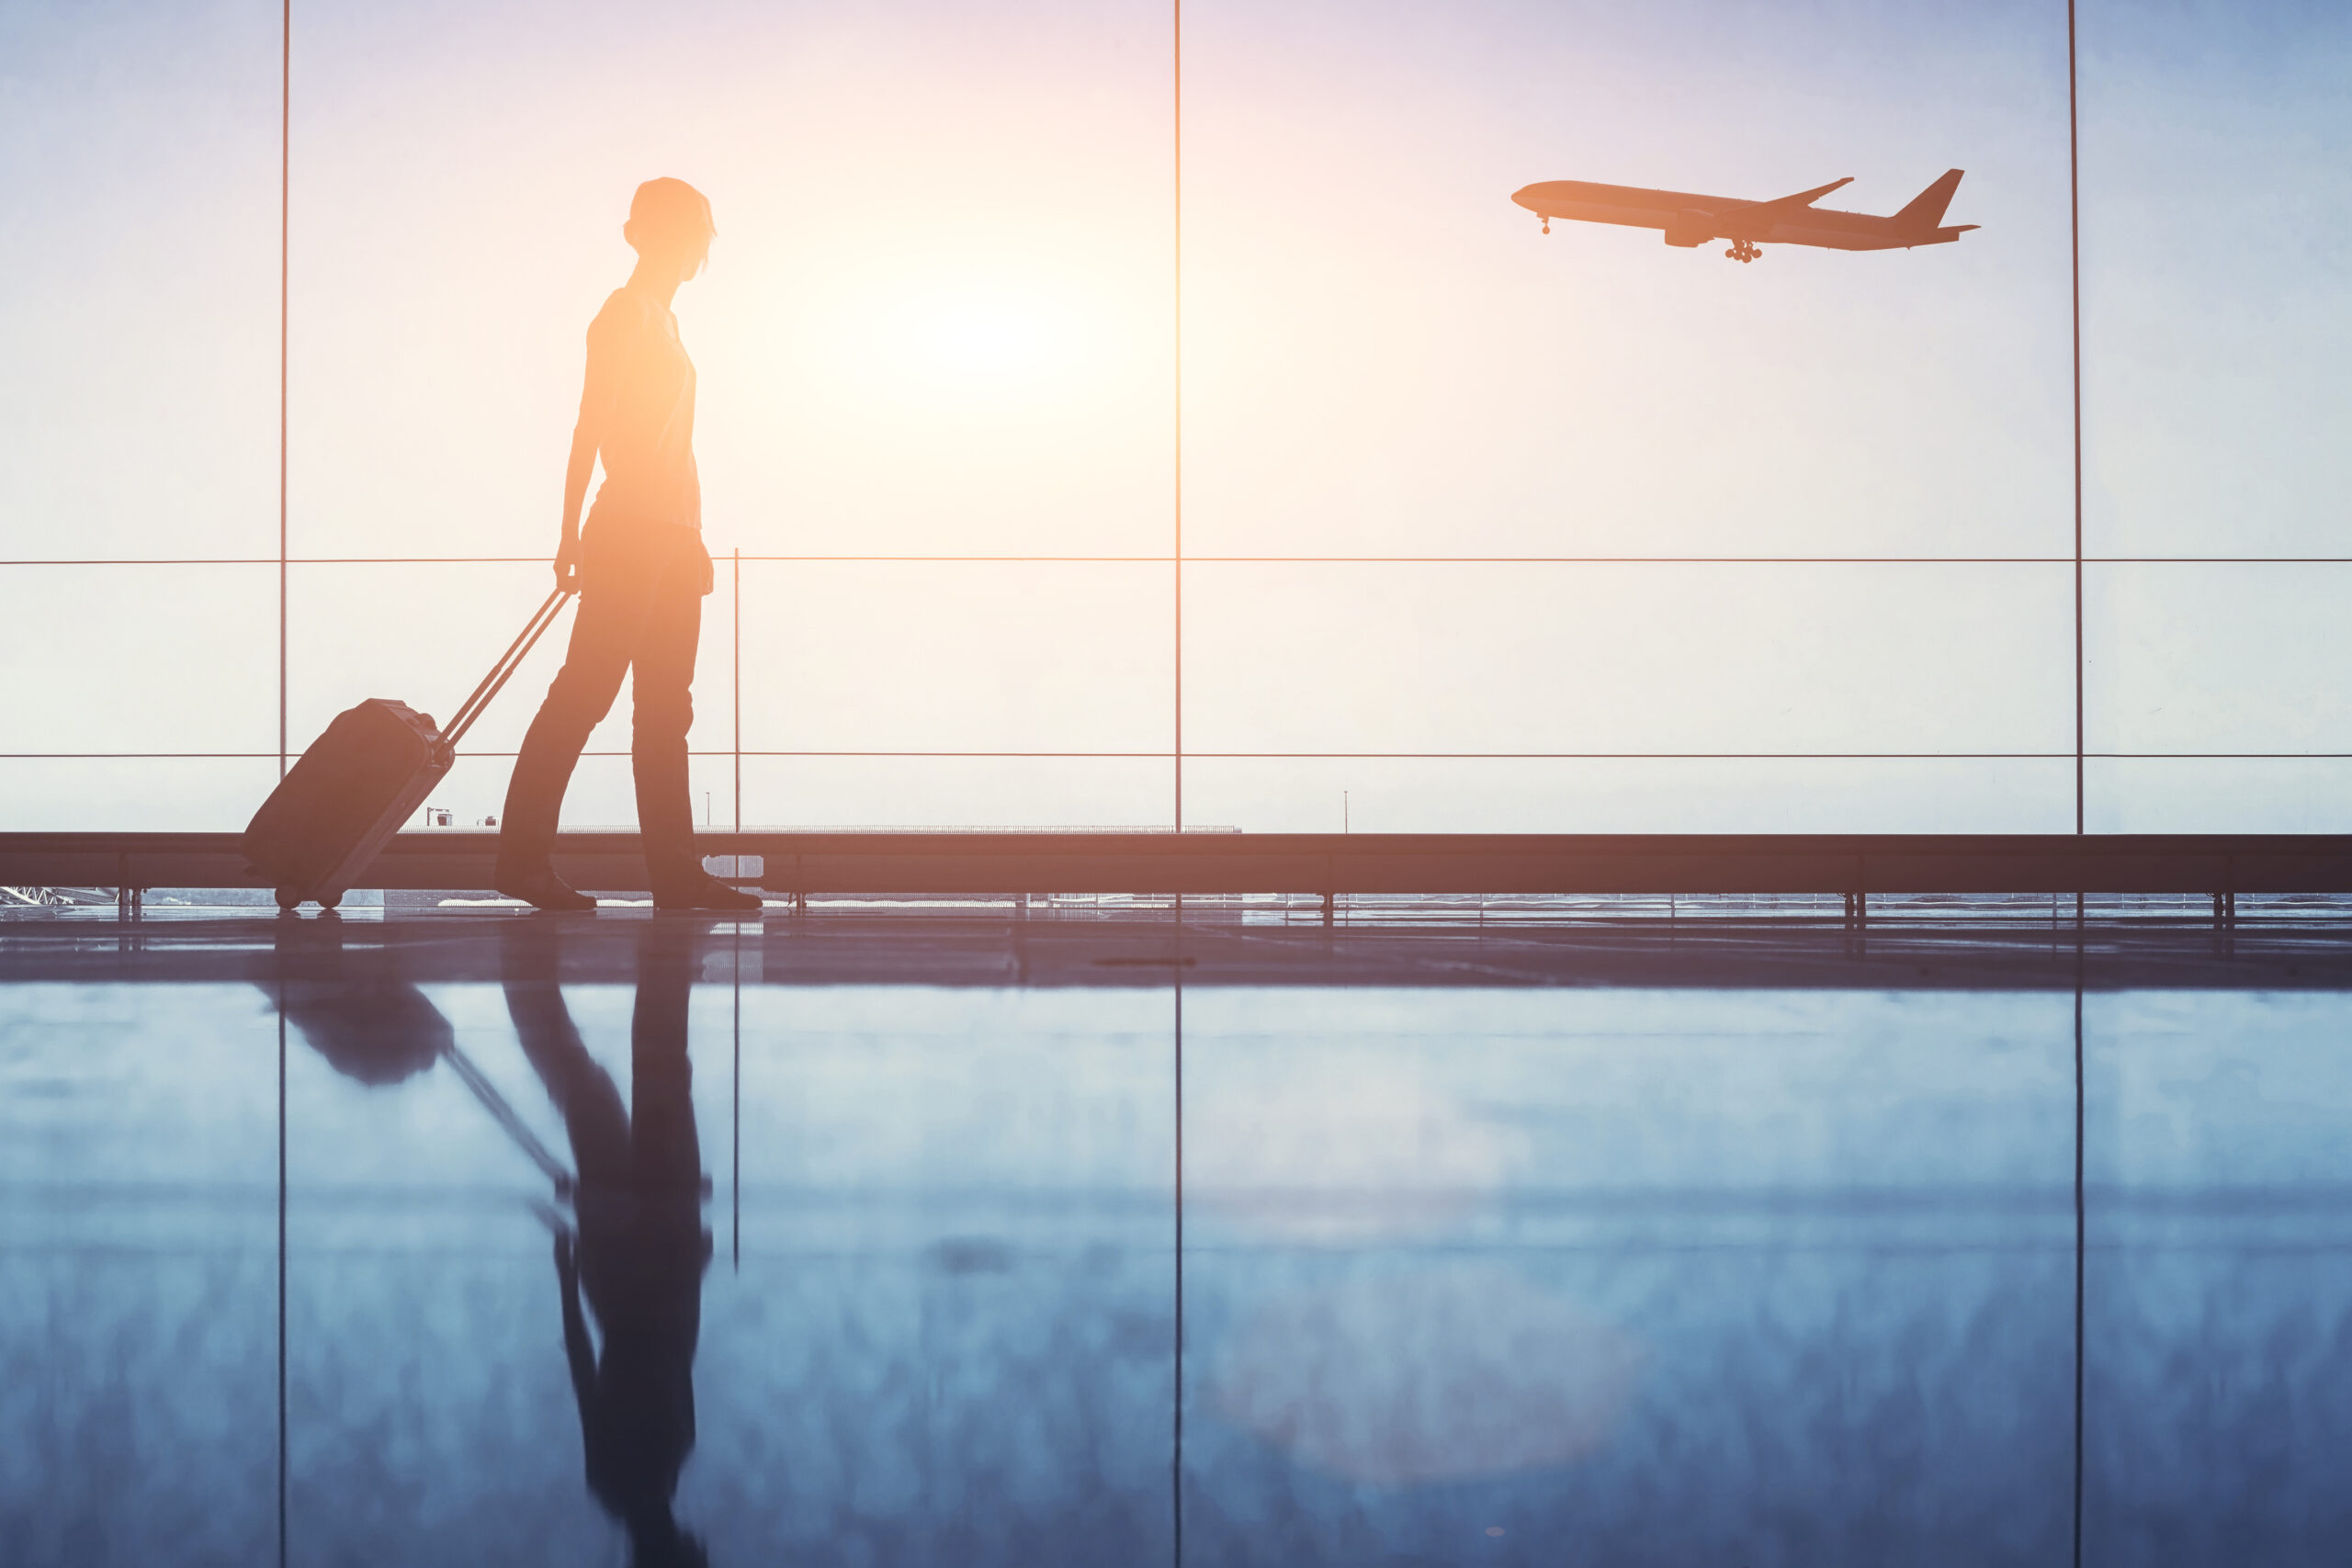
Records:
x=595, y=402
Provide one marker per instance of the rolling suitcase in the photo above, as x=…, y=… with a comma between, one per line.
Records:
x=359, y=781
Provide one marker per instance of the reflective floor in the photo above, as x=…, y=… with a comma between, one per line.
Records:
x=493, y=1239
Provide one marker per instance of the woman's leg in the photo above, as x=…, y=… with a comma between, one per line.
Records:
x=666, y=1148
x=580, y=695
x=585, y=1094
x=666, y=645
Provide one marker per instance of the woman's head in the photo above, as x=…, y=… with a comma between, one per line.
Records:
x=670, y=225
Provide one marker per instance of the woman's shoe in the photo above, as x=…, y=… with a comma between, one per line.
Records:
x=542, y=887
x=703, y=892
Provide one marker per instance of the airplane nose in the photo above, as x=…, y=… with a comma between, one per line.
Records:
x=1525, y=197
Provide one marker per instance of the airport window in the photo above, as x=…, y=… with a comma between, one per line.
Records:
x=1480, y=527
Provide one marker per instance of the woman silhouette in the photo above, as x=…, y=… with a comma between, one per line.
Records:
x=641, y=571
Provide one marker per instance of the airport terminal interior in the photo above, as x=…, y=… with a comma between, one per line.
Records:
x=1454, y=836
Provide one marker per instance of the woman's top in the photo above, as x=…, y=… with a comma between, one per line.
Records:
x=640, y=373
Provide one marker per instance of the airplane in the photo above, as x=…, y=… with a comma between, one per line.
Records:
x=1690, y=221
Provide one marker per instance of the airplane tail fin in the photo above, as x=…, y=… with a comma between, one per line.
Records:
x=1927, y=209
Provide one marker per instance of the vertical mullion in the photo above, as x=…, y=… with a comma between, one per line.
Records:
x=285, y=208
x=739, y=702
x=2075, y=229
x=1177, y=63
x=1176, y=1402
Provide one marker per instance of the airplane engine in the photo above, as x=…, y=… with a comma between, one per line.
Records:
x=1691, y=228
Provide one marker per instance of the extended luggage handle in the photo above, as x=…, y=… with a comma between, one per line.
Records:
x=503, y=1114
x=508, y=662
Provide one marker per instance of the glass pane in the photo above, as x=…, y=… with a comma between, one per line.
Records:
x=958, y=792
x=602, y=793
x=2215, y=322
x=122, y=795
x=1384, y=355
x=1658, y=657
x=2219, y=658
x=895, y=656
x=937, y=319
x=889, y=657
x=2201, y=795
x=427, y=633
x=422, y=634
x=139, y=148
x=139, y=659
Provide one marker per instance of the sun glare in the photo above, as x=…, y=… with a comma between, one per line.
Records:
x=991, y=342
x=996, y=339
x=941, y=334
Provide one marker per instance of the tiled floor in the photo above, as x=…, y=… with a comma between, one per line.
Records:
x=389, y=1242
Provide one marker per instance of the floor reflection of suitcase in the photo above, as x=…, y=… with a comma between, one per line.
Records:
x=359, y=781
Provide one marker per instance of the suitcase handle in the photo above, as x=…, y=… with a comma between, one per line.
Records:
x=508, y=662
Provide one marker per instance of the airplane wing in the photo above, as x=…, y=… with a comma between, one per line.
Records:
x=1783, y=206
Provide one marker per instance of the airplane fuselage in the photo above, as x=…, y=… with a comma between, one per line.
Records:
x=1692, y=220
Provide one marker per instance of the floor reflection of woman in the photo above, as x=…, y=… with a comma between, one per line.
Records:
x=641, y=1247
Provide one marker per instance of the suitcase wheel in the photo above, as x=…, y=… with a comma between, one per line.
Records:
x=288, y=899
x=330, y=903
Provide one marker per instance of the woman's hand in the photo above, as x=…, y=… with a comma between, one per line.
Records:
x=567, y=564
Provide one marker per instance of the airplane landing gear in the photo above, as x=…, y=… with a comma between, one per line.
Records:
x=1744, y=251
x=1547, y=223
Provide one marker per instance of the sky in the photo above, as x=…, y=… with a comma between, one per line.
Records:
x=939, y=322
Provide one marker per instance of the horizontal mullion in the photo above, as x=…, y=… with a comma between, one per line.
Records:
x=1249, y=561
x=1342, y=756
